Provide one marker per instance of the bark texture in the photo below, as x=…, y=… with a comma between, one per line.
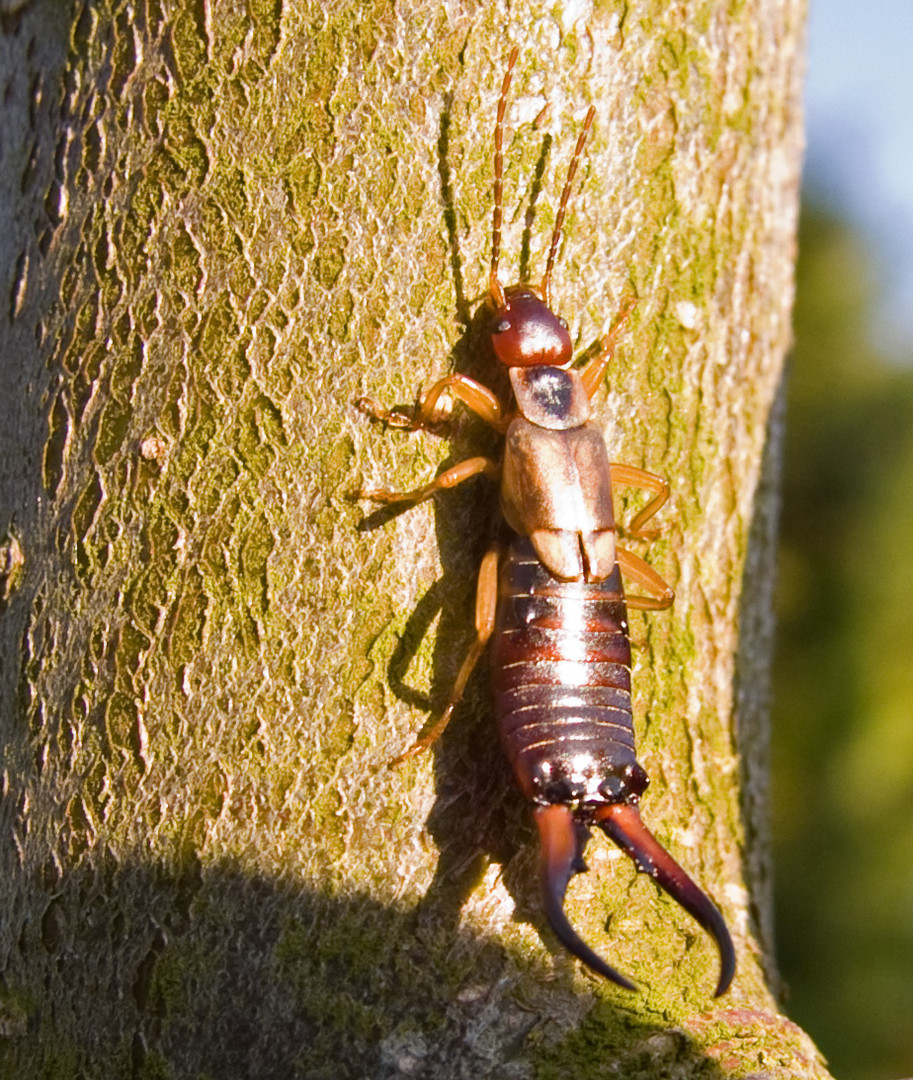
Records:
x=225, y=222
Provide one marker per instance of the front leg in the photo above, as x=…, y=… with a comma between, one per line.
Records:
x=436, y=404
x=594, y=370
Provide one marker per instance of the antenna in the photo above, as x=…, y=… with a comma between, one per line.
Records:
x=494, y=284
x=562, y=206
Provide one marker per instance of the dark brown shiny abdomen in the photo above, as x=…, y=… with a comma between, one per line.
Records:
x=561, y=666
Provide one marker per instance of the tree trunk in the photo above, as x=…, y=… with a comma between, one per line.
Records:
x=225, y=223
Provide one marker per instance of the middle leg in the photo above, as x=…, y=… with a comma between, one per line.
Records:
x=465, y=470
x=631, y=476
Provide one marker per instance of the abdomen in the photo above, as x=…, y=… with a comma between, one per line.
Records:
x=562, y=682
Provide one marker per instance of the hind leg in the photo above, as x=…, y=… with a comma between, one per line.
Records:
x=486, y=601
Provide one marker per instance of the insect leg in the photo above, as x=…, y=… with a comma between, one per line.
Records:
x=467, y=469
x=595, y=369
x=436, y=404
x=486, y=601
x=642, y=574
x=631, y=476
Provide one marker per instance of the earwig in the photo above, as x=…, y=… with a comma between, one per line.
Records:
x=550, y=595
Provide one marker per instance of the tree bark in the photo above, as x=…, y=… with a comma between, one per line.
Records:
x=225, y=223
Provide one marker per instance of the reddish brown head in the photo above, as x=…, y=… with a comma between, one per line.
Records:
x=526, y=331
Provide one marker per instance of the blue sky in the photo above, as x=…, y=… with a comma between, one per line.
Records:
x=859, y=110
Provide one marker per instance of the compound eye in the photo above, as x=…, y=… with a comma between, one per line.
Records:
x=502, y=326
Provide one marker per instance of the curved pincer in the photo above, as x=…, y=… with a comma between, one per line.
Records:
x=562, y=856
x=621, y=823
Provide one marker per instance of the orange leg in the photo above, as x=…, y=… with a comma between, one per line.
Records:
x=486, y=602
x=631, y=476
x=436, y=405
x=595, y=369
x=645, y=577
x=475, y=466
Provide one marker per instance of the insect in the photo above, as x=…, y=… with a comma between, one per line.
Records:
x=550, y=596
